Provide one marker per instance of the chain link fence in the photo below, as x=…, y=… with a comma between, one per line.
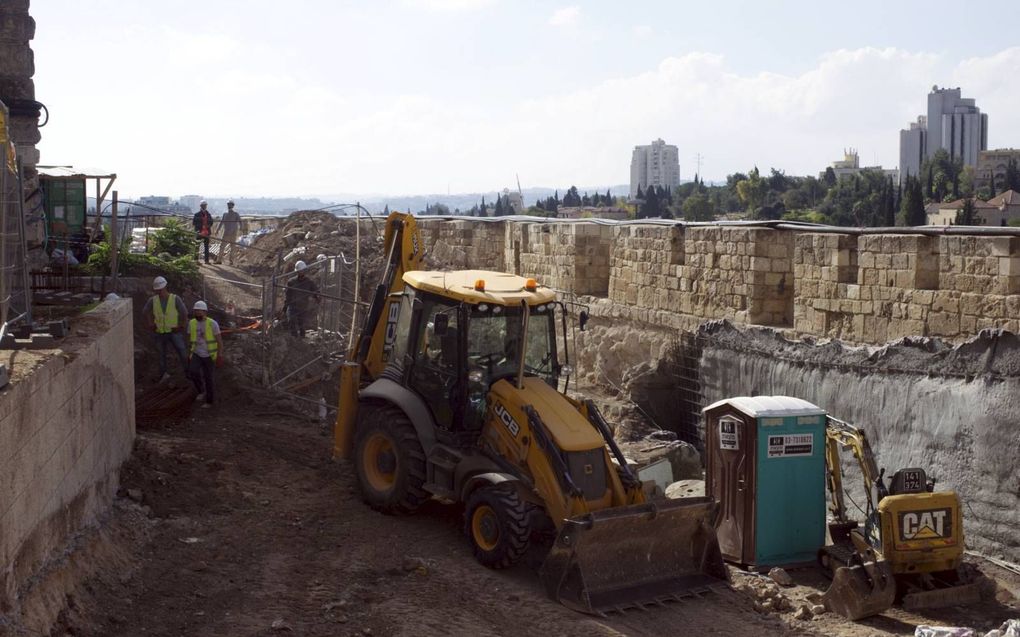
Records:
x=305, y=366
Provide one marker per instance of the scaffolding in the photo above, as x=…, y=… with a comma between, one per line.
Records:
x=15, y=291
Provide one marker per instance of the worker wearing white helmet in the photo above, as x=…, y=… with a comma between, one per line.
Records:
x=301, y=291
x=230, y=223
x=205, y=352
x=165, y=314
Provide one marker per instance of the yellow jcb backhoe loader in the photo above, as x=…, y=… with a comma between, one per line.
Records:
x=911, y=546
x=451, y=392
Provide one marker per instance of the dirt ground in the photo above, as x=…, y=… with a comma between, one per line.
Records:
x=251, y=525
x=236, y=521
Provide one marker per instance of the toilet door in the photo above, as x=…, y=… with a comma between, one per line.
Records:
x=731, y=485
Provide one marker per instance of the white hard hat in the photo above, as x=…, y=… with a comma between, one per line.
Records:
x=203, y=203
x=200, y=305
x=300, y=265
x=158, y=283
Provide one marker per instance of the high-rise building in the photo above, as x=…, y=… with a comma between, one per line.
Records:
x=913, y=143
x=954, y=123
x=657, y=164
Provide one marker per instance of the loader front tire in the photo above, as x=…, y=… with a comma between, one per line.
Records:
x=389, y=460
x=497, y=524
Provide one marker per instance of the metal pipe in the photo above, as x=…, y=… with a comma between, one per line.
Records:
x=115, y=248
x=4, y=209
x=927, y=231
x=523, y=346
x=353, y=341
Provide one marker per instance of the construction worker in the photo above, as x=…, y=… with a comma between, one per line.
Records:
x=205, y=350
x=230, y=224
x=166, y=315
x=203, y=221
x=300, y=291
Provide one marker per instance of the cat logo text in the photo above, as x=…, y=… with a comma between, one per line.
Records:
x=926, y=525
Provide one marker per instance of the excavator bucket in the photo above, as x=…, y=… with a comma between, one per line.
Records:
x=635, y=555
x=861, y=590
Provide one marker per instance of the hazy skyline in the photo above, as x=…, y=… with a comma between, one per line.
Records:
x=237, y=98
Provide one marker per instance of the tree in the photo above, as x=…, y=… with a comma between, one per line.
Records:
x=752, y=190
x=650, y=207
x=830, y=177
x=943, y=175
x=888, y=211
x=795, y=199
x=778, y=181
x=966, y=216
x=1012, y=176
x=572, y=199
x=482, y=211
x=912, y=206
x=698, y=207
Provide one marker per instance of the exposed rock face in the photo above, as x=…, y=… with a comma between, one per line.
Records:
x=954, y=411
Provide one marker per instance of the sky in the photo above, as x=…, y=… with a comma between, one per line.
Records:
x=338, y=98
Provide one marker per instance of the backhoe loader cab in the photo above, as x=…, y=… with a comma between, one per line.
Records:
x=455, y=389
x=474, y=330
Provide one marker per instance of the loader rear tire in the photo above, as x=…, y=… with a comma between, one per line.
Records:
x=389, y=460
x=497, y=524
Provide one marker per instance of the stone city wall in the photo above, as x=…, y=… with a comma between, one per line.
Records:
x=866, y=288
x=65, y=428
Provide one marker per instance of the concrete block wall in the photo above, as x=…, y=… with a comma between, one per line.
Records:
x=65, y=429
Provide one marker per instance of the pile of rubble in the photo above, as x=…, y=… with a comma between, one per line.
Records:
x=308, y=235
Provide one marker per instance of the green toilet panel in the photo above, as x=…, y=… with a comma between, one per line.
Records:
x=790, y=507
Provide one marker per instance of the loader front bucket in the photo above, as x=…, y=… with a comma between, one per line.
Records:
x=862, y=590
x=635, y=555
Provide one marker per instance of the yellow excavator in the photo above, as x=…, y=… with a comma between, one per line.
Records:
x=911, y=547
x=452, y=391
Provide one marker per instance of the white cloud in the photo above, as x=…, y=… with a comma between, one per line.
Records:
x=642, y=31
x=449, y=5
x=565, y=17
x=798, y=123
x=226, y=129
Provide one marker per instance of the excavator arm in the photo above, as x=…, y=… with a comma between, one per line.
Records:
x=370, y=346
x=842, y=435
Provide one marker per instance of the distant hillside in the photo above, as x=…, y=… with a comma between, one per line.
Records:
x=464, y=201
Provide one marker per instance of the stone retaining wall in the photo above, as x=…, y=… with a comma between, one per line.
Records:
x=867, y=289
x=66, y=425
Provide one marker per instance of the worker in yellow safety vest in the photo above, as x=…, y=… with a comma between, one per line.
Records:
x=166, y=315
x=205, y=351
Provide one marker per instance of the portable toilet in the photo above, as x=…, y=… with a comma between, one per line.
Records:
x=765, y=464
